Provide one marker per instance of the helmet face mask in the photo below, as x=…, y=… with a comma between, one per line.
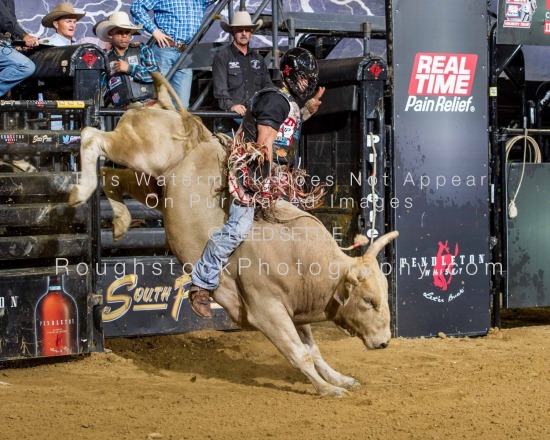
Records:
x=300, y=72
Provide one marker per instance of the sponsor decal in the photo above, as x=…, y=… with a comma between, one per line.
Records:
x=12, y=138
x=9, y=102
x=442, y=83
x=114, y=82
x=89, y=58
x=41, y=139
x=519, y=13
x=56, y=321
x=444, y=264
x=234, y=65
x=70, y=104
x=375, y=70
x=255, y=64
x=448, y=270
x=133, y=60
x=67, y=140
x=286, y=132
x=9, y=301
x=128, y=294
x=286, y=70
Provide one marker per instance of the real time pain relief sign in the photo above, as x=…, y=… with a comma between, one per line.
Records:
x=441, y=83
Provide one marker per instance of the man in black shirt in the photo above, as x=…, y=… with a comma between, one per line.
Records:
x=238, y=71
x=14, y=66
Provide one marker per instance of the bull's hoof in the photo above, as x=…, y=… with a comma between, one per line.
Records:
x=75, y=197
x=332, y=391
x=120, y=228
x=122, y=219
x=351, y=384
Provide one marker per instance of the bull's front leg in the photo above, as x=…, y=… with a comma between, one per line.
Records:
x=90, y=150
x=272, y=319
x=330, y=375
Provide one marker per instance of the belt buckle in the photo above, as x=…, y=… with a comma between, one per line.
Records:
x=180, y=47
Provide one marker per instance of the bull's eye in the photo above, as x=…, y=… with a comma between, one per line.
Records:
x=368, y=303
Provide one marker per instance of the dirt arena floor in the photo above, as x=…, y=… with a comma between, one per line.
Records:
x=213, y=385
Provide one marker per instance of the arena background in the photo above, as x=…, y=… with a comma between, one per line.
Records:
x=30, y=13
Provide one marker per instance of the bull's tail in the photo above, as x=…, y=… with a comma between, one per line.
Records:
x=160, y=80
x=165, y=101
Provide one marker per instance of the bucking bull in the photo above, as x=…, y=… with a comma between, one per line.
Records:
x=288, y=273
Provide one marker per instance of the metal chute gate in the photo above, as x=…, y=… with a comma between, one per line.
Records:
x=42, y=313
x=397, y=146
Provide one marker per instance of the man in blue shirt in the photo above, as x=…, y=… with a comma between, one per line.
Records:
x=175, y=23
x=63, y=19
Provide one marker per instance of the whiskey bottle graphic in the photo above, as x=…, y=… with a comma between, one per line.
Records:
x=56, y=321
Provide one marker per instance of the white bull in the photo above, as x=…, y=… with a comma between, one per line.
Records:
x=288, y=273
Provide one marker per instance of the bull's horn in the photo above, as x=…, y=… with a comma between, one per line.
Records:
x=380, y=242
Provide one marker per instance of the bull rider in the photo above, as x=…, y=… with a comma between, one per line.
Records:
x=273, y=121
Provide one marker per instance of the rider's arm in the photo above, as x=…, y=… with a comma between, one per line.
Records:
x=266, y=136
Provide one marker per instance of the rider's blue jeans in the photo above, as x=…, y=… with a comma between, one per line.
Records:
x=206, y=273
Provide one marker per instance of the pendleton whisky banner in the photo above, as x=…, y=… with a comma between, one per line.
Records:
x=43, y=315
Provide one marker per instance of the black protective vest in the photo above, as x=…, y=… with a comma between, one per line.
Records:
x=288, y=135
x=122, y=89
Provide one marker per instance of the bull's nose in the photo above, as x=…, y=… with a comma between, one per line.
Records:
x=384, y=344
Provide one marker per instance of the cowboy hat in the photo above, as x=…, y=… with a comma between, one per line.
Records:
x=61, y=10
x=116, y=20
x=241, y=19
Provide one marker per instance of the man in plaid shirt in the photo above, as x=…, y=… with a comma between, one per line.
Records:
x=129, y=83
x=174, y=25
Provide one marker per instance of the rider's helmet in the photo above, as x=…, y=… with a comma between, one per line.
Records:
x=298, y=64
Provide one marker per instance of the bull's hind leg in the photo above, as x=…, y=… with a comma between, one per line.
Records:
x=330, y=375
x=280, y=330
x=90, y=150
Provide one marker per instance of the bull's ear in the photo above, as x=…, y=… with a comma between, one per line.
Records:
x=343, y=293
x=356, y=274
x=353, y=278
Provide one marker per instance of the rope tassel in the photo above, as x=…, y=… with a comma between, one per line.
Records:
x=253, y=181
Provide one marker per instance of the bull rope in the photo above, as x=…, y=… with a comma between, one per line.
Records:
x=359, y=240
x=253, y=181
